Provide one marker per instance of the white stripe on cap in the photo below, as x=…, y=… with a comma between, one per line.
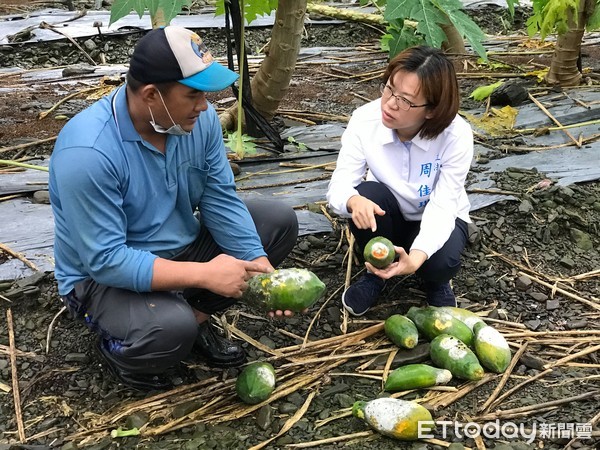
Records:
x=189, y=50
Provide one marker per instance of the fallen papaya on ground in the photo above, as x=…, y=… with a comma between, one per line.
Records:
x=256, y=382
x=401, y=331
x=416, y=376
x=433, y=321
x=395, y=418
x=491, y=348
x=450, y=353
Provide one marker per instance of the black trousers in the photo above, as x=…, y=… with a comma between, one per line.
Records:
x=441, y=266
x=148, y=332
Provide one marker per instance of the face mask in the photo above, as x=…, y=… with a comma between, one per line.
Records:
x=174, y=130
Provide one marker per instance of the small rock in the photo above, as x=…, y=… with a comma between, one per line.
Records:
x=344, y=400
x=265, y=340
x=533, y=324
x=264, y=418
x=78, y=69
x=184, y=409
x=235, y=168
x=136, y=420
x=525, y=206
x=456, y=446
x=581, y=239
x=287, y=408
x=69, y=446
x=538, y=296
x=552, y=304
x=576, y=323
x=81, y=358
x=315, y=241
x=531, y=361
x=89, y=45
x=523, y=283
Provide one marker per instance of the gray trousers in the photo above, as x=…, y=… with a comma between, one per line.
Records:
x=147, y=332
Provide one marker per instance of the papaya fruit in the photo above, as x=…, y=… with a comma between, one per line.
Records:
x=256, y=382
x=432, y=321
x=379, y=252
x=448, y=352
x=395, y=418
x=416, y=376
x=491, y=348
x=464, y=315
x=284, y=289
x=401, y=331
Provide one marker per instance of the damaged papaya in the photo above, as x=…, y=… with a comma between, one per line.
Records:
x=284, y=289
x=379, y=252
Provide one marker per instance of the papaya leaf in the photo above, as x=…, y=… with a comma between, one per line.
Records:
x=483, y=92
x=241, y=145
x=398, y=39
x=593, y=22
x=172, y=7
x=397, y=9
x=252, y=8
x=429, y=18
x=119, y=9
x=511, y=7
x=466, y=27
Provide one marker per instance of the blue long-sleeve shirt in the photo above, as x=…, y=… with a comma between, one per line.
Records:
x=119, y=203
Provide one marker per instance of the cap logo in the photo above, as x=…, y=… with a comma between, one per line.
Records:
x=200, y=49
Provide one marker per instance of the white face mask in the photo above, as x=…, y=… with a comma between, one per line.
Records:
x=175, y=129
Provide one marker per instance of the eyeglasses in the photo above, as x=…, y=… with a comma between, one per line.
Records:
x=403, y=103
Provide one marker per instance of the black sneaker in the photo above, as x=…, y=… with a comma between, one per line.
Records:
x=216, y=349
x=440, y=295
x=363, y=294
x=137, y=381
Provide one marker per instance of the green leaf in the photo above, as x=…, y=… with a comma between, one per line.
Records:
x=139, y=7
x=171, y=8
x=120, y=9
x=483, y=92
x=398, y=39
x=511, y=7
x=240, y=144
x=397, y=9
x=593, y=22
x=468, y=29
x=252, y=8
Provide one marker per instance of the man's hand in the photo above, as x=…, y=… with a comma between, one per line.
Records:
x=407, y=264
x=227, y=276
x=363, y=212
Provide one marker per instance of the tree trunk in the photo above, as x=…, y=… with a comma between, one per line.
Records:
x=158, y=18
x=564, y=69
x=273, y=77
x=454, y=42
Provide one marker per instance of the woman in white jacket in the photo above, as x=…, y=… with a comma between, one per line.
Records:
x=416, y=152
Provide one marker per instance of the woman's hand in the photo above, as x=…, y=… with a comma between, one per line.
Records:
x=363, y=212
x=407, y=264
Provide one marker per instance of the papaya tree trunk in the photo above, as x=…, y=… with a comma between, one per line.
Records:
x=564, y=69
x=273, y=77
x=272, y=80
x=158, y=18
x=454, y=42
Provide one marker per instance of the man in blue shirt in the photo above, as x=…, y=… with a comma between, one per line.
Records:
x=151, y=237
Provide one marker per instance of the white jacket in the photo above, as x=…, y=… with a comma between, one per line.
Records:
x=427, y=177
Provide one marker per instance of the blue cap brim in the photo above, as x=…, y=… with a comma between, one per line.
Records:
x=214, y=78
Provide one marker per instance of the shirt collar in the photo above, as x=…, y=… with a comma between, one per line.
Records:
x=122, y=117
x=389, y=136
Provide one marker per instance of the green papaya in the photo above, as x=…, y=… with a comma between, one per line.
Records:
x=284, y=289
x=379, y=252
x=433, y=321
x=464, y=315
x=491, y=348
x=395, y=418
x=448, y=352
x=416, y=376
x=256, y=382
x=401, y=331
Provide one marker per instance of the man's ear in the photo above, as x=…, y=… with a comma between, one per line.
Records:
x=149, y=94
